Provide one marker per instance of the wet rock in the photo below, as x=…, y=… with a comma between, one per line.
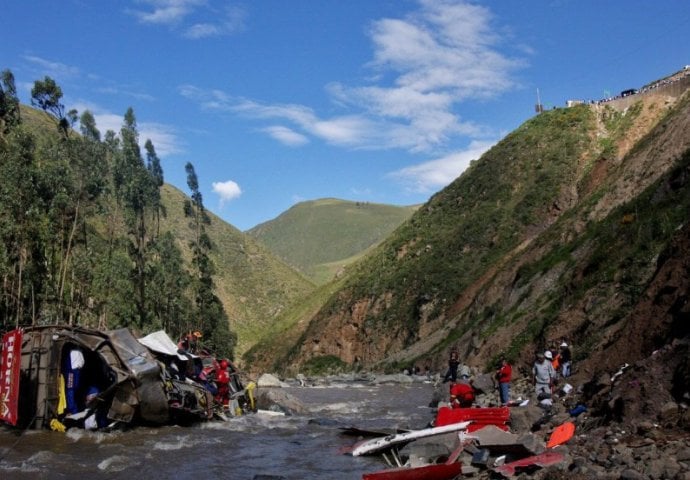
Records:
x=324, y=422
x=395, y=378
x=301, y=379
x=278, y=400
x=269, y=380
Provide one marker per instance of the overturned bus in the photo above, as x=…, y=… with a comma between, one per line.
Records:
x=59, y=376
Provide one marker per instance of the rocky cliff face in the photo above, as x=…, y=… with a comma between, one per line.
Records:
x=603, y=264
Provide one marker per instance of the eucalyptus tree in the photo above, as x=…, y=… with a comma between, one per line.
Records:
x=153, y=165
x=73, y=175
x=212, y=319
x=169, y=282
x=87, y=168
x=46, y=95
x=22, y=225
x=10, y=115
x=135, y=188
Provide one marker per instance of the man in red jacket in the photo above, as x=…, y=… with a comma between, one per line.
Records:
x=503, y=375
x=461, y=394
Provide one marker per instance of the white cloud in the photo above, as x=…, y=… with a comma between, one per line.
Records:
x=55, y=70
x=195, y=19
x=166, y=12
x=119, y=91
x=164, y=138
x=232, y=21
x=286, y=135
x=227, y=191
x=440, y=55
x=435, y=174
x=426, y=64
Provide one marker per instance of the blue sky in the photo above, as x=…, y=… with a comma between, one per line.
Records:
x=278, y=101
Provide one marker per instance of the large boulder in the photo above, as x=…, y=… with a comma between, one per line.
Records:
x=522, y=419
x=278, y=400
x=484, y=383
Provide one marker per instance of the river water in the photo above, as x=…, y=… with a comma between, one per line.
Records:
x=254, y=446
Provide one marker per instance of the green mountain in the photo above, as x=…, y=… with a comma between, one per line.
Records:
x=253, y=284
x=563, y=230
x=319, y=238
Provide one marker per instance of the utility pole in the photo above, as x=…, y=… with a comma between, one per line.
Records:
x=538, y=107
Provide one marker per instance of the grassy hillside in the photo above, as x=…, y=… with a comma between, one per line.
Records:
x=553, y=233
x=254, y=285
x=474, y=222
x=320, y=237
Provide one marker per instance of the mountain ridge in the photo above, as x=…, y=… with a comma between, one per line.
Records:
x=321, y=237
x=608, y=155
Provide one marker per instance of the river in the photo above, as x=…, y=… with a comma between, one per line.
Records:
x=254, y=446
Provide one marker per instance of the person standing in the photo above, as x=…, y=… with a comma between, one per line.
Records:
x=543, y=375
x=556, y=360
x=566, y=359
x=504, y=375
x=453, y=362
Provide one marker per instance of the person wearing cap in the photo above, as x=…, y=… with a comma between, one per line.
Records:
x=566, y=359
x=543, y=374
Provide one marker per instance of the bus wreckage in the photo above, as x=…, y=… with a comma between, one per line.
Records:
x=61, y=377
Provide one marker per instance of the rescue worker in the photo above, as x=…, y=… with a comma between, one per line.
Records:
x=223, y=383
x=462, y=393
x=189, y=342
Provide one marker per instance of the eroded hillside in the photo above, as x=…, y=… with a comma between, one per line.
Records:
x=562, y=230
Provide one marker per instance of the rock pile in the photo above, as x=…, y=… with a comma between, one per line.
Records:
x=629, y=425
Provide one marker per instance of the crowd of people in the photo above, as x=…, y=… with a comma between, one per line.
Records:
x=549, y=368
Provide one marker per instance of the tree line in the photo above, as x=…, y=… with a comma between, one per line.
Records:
x=80, y=228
